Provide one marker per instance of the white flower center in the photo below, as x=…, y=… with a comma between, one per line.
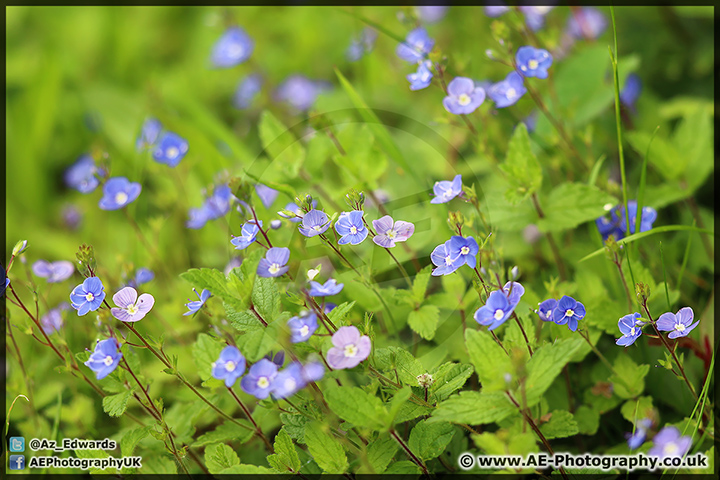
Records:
x=108, y=360
x=353, y=230
x=290, y=384
x=89, y=297
x=318, y=227
x=498, y=314
x=234, y=50
x=391, y=234
x=533, y=64
x=464, y=250
x=274, y=268
x=351, y=350
x=510, y=93
x=448, y=260
x=304, y=330
x=121, y=198
x=132, y=309
x=464, y=99
x=680, y=327
x=263, y=382
x=172, y=152
x=230, y=366
x=670, y=449
x=569, y=312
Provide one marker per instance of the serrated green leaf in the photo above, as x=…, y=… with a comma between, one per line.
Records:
x=215, y=281
x=562, y=424
x=424, y=321
x=474, y=408
x=247, y=470
x=356, y=406
x=403, y=467
x=381, y=452
x=523, y=171
x=420, y=283
x=449, y=377
x=588, y=420
x=637, y=409
x=285, y=459
x=429, y=440
x=338, y=315
x=572, y=204
x=243, y=320
x=205, y=351
x=630, y=379
x=393, y=359
x=131, y=438
x=266, y=299
x=491, y=362
x=547, y=362
x=227, y=432
x=294, y=425
x=325, y=449
x=115, y=405
x=256, y=344
x=397, y=402
x=219, y=457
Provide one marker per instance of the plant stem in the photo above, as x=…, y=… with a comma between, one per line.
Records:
x=409, y=453
x=527, y=342
x=550, y=239
x=258, y=432
x=624, y=282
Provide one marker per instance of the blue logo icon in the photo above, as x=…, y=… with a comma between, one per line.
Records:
x=17, y=462
x=17, y=444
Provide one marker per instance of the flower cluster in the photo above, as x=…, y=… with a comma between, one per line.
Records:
x=53, y=272
x=567, y=310
x=617, y=225
x=167, y=147
x=215, y=206
x=453, y=254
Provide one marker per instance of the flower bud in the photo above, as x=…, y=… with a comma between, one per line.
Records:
x=425, y=380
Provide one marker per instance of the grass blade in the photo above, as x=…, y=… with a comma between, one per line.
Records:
x=662, y=262
x=641, y=188
x=685, y=259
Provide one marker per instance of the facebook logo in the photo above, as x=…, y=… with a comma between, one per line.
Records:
x=17, y=444
x=17, y=462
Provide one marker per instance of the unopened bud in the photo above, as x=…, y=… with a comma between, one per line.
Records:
x=425, y=380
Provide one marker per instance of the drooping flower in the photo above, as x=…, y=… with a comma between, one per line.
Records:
x=678, y=324
x=258, y=381
x=351, y=228
x=586, y=22
x=170, y=149
x=131, y=307
x=247, y=90
x=81, y=175
x=634, y=440
x=416, y=46
x=105, y=358
x=389, y=231
x=546, y=308
x=350, y=348
x=229, y=366
x=535, y=15
x=288, y=381
x=248, y=234
x=446, y=190
x=54, y=272
x=194, y=306
x=443, y=259
x=233, y=48
x=463, y=250
x=52, y=321
x=119, y=192
x=329, y=288
x=431, y=13
x=88, y=296
x=631, y=328
x=302, y=327
x=533, y=62
x=422, y=77
x=267, y=195
x=314, y=222
x=507, y=92
x=631, y=91
x=142, y=275
x=299, y=91
x=463, y=96
x=278, y=359
x=275, y=262
x=669, y=443
x=568, y=311
x=148, y=134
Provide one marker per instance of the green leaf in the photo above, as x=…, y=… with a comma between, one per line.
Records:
x=266, y=299
x=215, y=281
x=420, y=283
x=325, y=449
x=247, y=470
x=502, y=442
x=115, y=405
x=398, y=400
x=429, y=440
x=393, y=359
x=523, y=171
x=294, y=425
x=637, y=409
x=256, y=344
x=474, y=408
x=381, y=452
x=285, y=457
x=338, y=315
x=545, y=365
x=243, y=320
x=491, y=362
x=356, y=406
x=280, y=144
x=572, y=204
x=425, y=321
x=630, y=379
x=403, y=467
x=588, y=420
x=449, y=377
x=663, y=154
x=562, y=424
x=130, y=439
x=226, y=432
x=205, y=351
x=219, y=457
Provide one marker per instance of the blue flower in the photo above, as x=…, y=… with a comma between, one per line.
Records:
x=300, y=91
x=668, y=442
x=507, y=92
x=494, y=11
x=568, y=310
x=422, y=78
x=362, y=45
x=302, y=328
x=229, y=366
x=5, y=283
x=292, y=207
x=274, y=263
x=119, y=192
x=105, y=358
x=463, y=249
x=170, y=149
x=312, y=372
x=496, y=310
x=442, y=258
x=416, y=46
x=197, y=304
x=533, y=62
x=148, y=134
x=52, y=321
x=278, y=359
x=215, y=206
x=631, y=91
x=288, y=381
x=81, y=175
x=678, y=324
x=617, y=226
x=329, y=288
x=351, y=228
x=329, y=307
x=586, y=22
x=233, y=48
x=88, y=296
x=142, y=275
x=634, y=440
x=514, y=291
x=447, y=190
x=535, y=16
x=258, y=380
x=430, y=13
x=248, y=234
x=267, y=195
x=315, y=222
x=631, y=328
x=54, y=272
x=463, y=96
x=546, y=308
x=246, y=91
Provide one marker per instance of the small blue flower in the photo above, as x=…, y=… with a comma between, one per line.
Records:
x=275, y=262
x=678, y=324
x=416, y=46
x=88, y=296
x=463, y=96
x=568, y=311
x=507, y=92
x=247, y=90
x=312, y=372
x=314, y=222
x=631, y=328
x=443, y=259
x=197, y=218
x=464, y=249
x=81, y=175
x=496, y=310
x=258, y=380
x=329, y=307
x=300, y=91
x=247, y=236
x=329, y=288
x=105, y=358
x=494, y=11
x=617, y=226
x=533, y=62
x=422, y=78
x=278, y=359
x=302, y=328
x=5, y=284
x=215, y=206
x=430, y=13
x=631, y=91
x=148, y=134
x=446, y=190
x=634, y=440
x=119, y=192
x=233, y=48
x=668, y=442
x=54, y=272
x=535, y=16
x=292, y=207
x=229, y=366
x=546, y=308
x=142, y=275
x=195, y=306
x=586, y=22
x=288, y=381
x=351, y=228
x=514, y=291
x=170, y=149
x=52, y=321
x=267, y=195
x=530, y=121
x=361, y=45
